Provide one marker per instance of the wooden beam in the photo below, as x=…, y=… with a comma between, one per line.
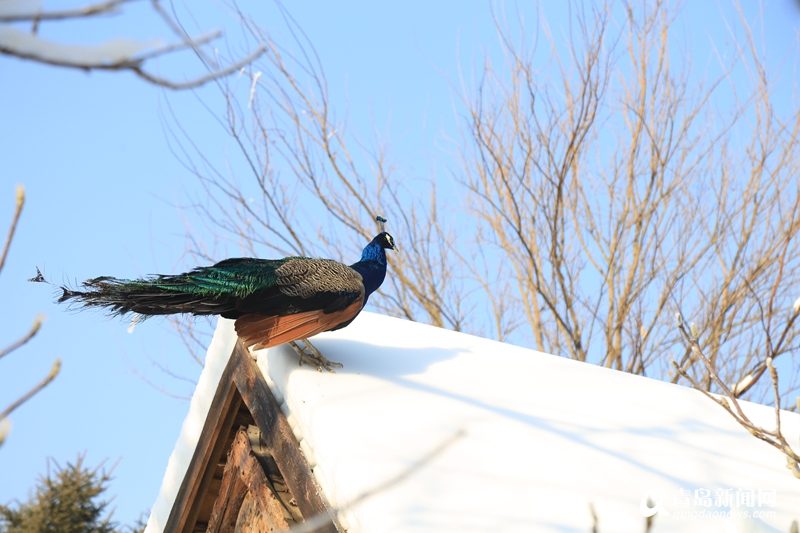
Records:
x=279, y=438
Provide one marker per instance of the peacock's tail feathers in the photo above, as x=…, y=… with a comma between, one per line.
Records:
x=218, y=289
x=121, y=296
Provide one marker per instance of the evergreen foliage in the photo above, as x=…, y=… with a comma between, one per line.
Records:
x=67, y=500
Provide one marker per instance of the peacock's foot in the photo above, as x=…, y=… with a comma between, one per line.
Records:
x=315, y=358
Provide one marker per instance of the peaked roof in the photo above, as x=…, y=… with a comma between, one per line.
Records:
x=431, y=430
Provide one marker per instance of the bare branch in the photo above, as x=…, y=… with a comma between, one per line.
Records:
x=37, y=323
x=4, y=423
x=178, y=29
x=27, y=396
x=103, y=8
x=117, y=54
x=197, y=82
x=5, y=429
x=159, y=388
x=20, y=202
x=774, y=437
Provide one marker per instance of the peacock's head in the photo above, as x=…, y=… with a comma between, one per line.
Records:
x=374, y=251
x=384, y=240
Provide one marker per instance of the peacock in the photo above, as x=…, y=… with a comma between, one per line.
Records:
x=273, y=301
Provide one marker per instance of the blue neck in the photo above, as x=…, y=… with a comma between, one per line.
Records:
x=374, y=252
x=372, y=268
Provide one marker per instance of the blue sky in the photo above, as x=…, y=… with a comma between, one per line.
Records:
x=102, y=190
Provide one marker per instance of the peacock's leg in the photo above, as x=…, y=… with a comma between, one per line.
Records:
x=315, y=358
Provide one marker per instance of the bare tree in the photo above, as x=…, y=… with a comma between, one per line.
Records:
x=777, y=329
x=117, y=54
x=284, y=114
x=617, y=193
x=37, y=323
x=607, y=188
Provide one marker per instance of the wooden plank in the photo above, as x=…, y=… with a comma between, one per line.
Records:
x=231, y=494
x=210, y=447
x=269, y=506
x=274, y=476
x=251, y=520
x=244, y=479
x=279, y=438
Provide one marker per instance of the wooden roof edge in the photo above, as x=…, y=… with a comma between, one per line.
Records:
x=219, y=421
x=242, y=381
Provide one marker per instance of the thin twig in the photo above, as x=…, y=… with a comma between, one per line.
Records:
x=200, y=39
x=37, y=323
x=50, y=377
x=774, y=375
x=775, y=437
x=5, y=428
x=157, y=387
x=595, y=521
x=180, y=32
x=197, y=82
x=17, y=211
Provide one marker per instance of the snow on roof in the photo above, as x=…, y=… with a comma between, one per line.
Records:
x=533, y=439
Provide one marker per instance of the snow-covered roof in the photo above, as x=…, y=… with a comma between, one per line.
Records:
x=430, y=430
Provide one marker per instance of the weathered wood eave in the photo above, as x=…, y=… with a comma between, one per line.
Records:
x=242, y=387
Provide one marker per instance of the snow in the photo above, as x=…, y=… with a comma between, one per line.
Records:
x=112, y=52
x=532, y=440
x=219, y=352
x=15, y=8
